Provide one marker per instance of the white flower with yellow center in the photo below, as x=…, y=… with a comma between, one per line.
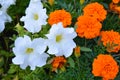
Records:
x=60, y=40
x=35, y=16
x=30, y=53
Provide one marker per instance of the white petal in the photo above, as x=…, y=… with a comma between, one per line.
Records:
x=59, y=25
x=54, y=32
x=27, y=39
x=43, y=59
x=35, y=3
x=37, y=28
x=2, y=26
x=32, y=67
x=30, y=27
x=68, y=52
x=38, y=60
x=56, y=28
x=19, y=50
x=70, y=33
x=39, y=45
x=68, y=49
x=52, y=49
x=18, y=59
x=22, y=18
x=19, y=41
x=25, y=64
x=50, y=36
x=33, y=59
x=22, y=41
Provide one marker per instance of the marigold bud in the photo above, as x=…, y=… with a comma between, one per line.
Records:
x=51, y=2
x=77, y=51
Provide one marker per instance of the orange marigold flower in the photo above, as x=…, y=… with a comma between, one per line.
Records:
x=58, y=62
x=105, y=66
x=88, y=27
x=95, y=10
x=111, y=40
x=114, y=7
x=115, y=1
x=60, y=16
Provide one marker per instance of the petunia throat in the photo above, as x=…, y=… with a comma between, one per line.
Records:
x=29, y=50
x=36, y=17
x=58, y=38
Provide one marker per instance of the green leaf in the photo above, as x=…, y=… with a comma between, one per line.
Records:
x=71, y=62
x=85, y=49
x=16, y=77
x=13, y=69
x=1, y=61
x=1, y=71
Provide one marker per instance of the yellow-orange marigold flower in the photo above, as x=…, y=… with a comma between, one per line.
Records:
x=105, y=66
x=58, y=62
x=60, y=16
x=88, y=27
x=111, y=39
x=95, y=10
x=115, y=1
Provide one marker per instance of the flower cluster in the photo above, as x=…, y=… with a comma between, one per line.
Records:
x=48, y=38
x=89, y=25
x=29, y=50
x=4, y=17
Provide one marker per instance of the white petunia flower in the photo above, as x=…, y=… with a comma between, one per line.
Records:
x=29, y=53
x=35, y=16
x=4, y=17
x=6, y=3
x=60, y=40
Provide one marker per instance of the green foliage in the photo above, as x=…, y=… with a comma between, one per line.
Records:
x=108, y=23
x=75, y=68
x=71, y=62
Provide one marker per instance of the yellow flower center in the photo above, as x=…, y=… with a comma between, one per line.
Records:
x=58, y=38
x=36, y=16
x=29, y=50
